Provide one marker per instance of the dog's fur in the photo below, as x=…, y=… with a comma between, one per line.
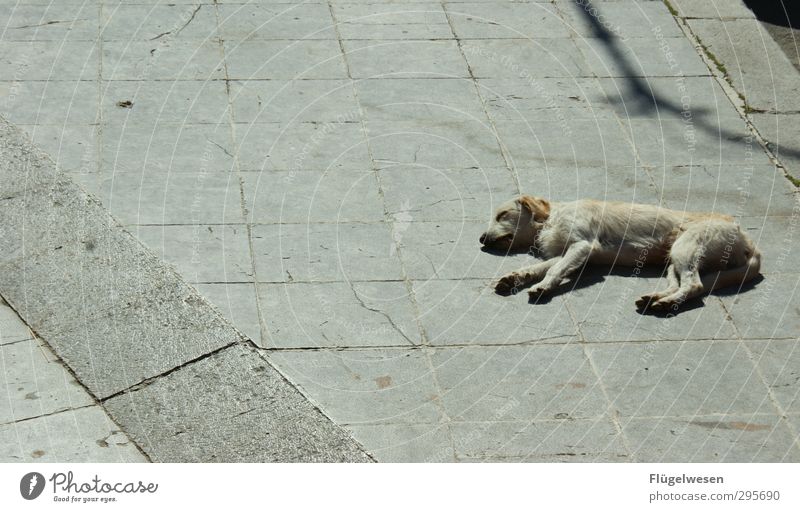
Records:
x=568, y=235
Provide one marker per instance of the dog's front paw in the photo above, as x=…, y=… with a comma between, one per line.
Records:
x=509, y=284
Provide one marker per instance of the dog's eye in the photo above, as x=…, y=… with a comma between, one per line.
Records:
x=500, y=216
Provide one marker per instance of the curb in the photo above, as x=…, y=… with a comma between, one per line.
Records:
x=179, y=379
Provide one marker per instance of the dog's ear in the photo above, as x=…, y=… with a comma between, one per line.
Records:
x=538, y=208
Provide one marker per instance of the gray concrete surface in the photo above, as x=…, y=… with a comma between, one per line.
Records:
x=46, y=415
x=757, y=53
x=321, y=171
x=122, y=321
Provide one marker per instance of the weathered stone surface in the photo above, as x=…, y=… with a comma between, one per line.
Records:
x=232, y=406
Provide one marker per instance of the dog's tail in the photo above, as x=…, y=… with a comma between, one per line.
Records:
x=734, y=276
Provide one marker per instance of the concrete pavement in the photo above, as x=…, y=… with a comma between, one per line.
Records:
x=321, y=172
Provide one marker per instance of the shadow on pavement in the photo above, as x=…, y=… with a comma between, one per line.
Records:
x=639, y=92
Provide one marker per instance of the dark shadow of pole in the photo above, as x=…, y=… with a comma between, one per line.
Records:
x=644, y=97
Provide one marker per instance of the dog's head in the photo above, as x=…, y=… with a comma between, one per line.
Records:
x=516, y=223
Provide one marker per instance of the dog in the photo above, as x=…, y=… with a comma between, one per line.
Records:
x=702, y=251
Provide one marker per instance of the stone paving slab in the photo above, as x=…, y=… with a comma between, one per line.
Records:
x=175, y=60
x=325, y=252
x=124, y=322
x=776, y=238
x=566, y=440
x=483, y=20
x=406, y=443
x=445, y=250
x=419, y=99
x=114, y=292
x=298, y=145
x=696, y=100
x=734, y=438
x=237, y=302
x=781, y=132
x=40, y=102
x=640, y=57
x=80, y=435
x=224, y=249
x=157, y=147
x=751, y=58
x=680, y=378
x=768, y=311
x=512, y=58
x=36, y=60
x=601, y=318
x=269, y=101
x=528, y=383
x=711, y=9
x=338, y=314
x=185, y=21
x=24, y=22
x=754, y=190
x=179, y=102
x=777, y=361
x=624, y=19
x=46, y=415
x=232, y=406
x=451, y=145
x=564, y=182
x=671, y=142
x=312, y=196
x=136, y=198
x=467, y=311
x=303, y=59
x=36, y=384
x=424, y=20
x=366, y=386
x=576, y=143
x=417, y=193
x=255, y=22
x=545, y=99
x=78, y=155
x=11, y=329
x=404, y=59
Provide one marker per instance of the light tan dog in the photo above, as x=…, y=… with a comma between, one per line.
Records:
x=569, y=235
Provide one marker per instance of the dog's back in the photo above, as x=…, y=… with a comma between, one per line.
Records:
x=627, y=233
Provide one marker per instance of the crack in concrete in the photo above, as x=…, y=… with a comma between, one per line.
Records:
x=146, y=382
x=382, y=313
x=220, y=147
x=53, y=22
x=53, y=413
x=177, y=31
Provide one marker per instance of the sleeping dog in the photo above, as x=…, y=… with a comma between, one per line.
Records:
x=703, y=251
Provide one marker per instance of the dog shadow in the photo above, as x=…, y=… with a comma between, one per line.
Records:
x=508, y=252
x=590, y=276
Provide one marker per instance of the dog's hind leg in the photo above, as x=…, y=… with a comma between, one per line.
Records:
x=712, y=245
x=690, y=286
x=673, y=285
x=511, y=283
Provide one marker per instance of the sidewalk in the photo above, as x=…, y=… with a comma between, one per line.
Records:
x=321, y=172
x=45, y=414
